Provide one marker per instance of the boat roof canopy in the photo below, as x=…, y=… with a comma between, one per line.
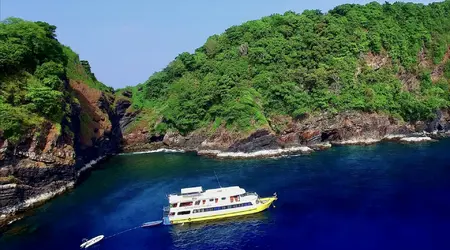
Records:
x=196, y=193
x=191, y=190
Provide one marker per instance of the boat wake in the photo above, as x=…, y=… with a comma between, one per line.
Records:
x=90, y=242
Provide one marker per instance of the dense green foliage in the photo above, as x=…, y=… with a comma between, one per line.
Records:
x=34, y=71
x=298, y=64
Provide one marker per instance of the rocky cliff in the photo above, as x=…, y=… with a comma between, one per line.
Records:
x=316, y=131
x=49, y=160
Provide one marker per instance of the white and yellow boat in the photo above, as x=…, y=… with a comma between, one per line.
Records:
x=194, y=204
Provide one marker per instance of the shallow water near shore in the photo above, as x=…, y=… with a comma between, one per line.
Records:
x=384, y=196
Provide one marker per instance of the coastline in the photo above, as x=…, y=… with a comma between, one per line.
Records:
x=12, y=214
x=298, y=149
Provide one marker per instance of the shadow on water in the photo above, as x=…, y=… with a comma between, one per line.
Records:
x=240, y=221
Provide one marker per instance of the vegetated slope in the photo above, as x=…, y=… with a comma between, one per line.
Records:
x=391, y=59
x=54, y=114
x=35, y=70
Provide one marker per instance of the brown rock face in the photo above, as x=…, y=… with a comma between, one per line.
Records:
x=189, y=142
x=260, y=140
x=41, y=163
x=46, y=161
x=94, y=120
x=438, y=70
x=315, y=131
x=348, y=126
x=377, y=61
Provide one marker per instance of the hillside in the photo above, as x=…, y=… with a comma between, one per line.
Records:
x=281, y=71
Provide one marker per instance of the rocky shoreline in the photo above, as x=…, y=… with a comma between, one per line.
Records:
x=313, y=133
x=261, y=154
x=46, y=166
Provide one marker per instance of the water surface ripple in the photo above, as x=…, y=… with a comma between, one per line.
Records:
x=386, y=196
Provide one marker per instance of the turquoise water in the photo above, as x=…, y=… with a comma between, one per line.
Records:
x=386, y=196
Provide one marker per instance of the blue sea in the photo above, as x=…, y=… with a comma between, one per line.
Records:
x=385, y=196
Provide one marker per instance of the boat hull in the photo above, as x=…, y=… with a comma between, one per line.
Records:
x=265, y=203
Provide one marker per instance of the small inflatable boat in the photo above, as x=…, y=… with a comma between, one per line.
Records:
x=92, y=241
x=151, y=223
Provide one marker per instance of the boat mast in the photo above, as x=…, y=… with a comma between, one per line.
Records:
x=217, y=179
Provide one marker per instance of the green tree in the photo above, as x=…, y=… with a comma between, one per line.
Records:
x=48, y=69
x=47, y=102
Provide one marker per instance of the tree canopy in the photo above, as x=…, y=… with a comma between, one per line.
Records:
x=355, y=57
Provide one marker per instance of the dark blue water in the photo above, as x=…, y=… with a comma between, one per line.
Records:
x=387, y=196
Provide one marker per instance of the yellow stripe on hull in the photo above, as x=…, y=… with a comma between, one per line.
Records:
x=265, y=203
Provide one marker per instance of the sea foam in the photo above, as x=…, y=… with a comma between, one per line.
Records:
x=416, y=139
x=256, y=154
x=161, y=150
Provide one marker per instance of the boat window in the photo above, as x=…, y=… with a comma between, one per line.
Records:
x=217, y=200
x=184, y=212
x=186, y=204
x=204, y=201
x=197, y=203
x=211, y=200
x=174, y=205
x=172, y=214
x=223, y=198
x=222, y=207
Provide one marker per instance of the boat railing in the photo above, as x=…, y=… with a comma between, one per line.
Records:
x=186, y=195
x=248, y=194
x=191, y=195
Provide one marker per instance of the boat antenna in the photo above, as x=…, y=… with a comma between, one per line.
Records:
x=217, y=179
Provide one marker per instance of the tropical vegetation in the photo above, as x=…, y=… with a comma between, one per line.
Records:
x=372, y=58
x=34, y=73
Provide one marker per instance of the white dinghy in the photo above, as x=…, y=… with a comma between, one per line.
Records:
x=92, y=241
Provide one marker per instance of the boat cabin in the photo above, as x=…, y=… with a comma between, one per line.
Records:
x=194, y=199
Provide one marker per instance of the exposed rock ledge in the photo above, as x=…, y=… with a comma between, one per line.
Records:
x=37, y=194
x=316, y=132
x=7, y=211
